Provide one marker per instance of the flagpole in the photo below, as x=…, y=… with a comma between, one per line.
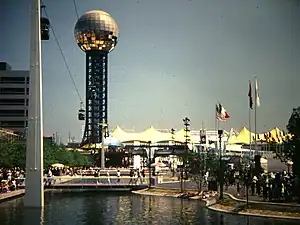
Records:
x=216, y=121
x=250, y=107
x=255, y=107
x=250, y=137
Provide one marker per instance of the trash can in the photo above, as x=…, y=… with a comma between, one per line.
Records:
x=153, y=181
x=212, y=186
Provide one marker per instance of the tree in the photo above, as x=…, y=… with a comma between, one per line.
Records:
x=291, y=146
x=54, y=153
x=195, y=168
x=13, y=154
x=198, y=164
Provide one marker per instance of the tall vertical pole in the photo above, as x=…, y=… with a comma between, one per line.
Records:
x=34, y=189
x=216, y=121
x=102, y=156
x=255, y=107
x=250, y=136
x=149, y=163
x=221, y=172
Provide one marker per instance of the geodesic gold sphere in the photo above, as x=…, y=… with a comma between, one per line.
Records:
x=96, y=30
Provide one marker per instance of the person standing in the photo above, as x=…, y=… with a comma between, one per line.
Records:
x=108, y=177
x=118, y=175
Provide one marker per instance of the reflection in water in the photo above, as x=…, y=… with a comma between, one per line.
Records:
x=33, y=216
x=89, y=208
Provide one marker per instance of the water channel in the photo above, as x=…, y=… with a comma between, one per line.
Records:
x=97, y=208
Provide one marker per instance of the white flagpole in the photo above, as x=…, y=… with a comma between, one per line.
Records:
x=256, y=104
x=216, y=121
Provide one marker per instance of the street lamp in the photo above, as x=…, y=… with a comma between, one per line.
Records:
x=149, y=163
x=247, y=171
x=173, y=143
x=186, y=122
x=202, y=142
x=221, y=177
x=102, y=152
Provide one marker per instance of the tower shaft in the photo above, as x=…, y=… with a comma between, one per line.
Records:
x=96, y=96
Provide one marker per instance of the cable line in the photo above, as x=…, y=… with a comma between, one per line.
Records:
x=64, y=58
x=75, y=7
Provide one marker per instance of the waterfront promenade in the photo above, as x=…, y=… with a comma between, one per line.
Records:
x=232, y=204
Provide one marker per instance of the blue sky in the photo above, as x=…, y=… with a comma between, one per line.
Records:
x=175, y=58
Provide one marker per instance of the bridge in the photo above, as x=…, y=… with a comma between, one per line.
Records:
x=159, y=150
x=124, y=184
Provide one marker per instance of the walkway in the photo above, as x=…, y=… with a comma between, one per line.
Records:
x=232, y=193
x=11, y=194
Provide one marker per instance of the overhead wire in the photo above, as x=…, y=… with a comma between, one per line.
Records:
x=63, y=56
x=75, y=7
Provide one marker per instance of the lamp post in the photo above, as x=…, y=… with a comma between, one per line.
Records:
x=221, y=177
x=186, y=122
x=102, y=152
x=248, y=169
x=173, y=143
x=149, y=163
x=202, y=142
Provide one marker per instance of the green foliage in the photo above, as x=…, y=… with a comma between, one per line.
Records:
x=291, y=148
x=13, y=154
x=199, y=163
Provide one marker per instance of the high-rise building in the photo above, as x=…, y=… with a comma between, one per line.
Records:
x=14, y=95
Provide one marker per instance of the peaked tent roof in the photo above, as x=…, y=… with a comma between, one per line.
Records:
x=276, y=134
x=243, y=137
x=150, y=134
x=124, y=136
x=153, y=135
x=231, y=135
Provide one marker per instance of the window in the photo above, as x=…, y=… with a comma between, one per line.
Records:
x=12, y=113
x=12, y=124
x=12, y=91
x=12, y=80
x=13, y=101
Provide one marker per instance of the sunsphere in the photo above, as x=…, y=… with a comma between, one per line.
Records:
x=96, y=33
x=96, y=30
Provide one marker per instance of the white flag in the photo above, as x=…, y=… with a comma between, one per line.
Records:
x=257, y=99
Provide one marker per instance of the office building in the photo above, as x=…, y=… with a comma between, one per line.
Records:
x=14, y=95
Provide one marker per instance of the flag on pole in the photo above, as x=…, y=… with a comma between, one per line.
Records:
x=221, y=113
x=250, y=96
x=257, y=98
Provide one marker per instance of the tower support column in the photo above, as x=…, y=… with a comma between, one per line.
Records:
x=96, y=100
x=34, y=188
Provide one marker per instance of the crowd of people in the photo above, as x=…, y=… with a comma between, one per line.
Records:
x=10, y=179
x=279, y=186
